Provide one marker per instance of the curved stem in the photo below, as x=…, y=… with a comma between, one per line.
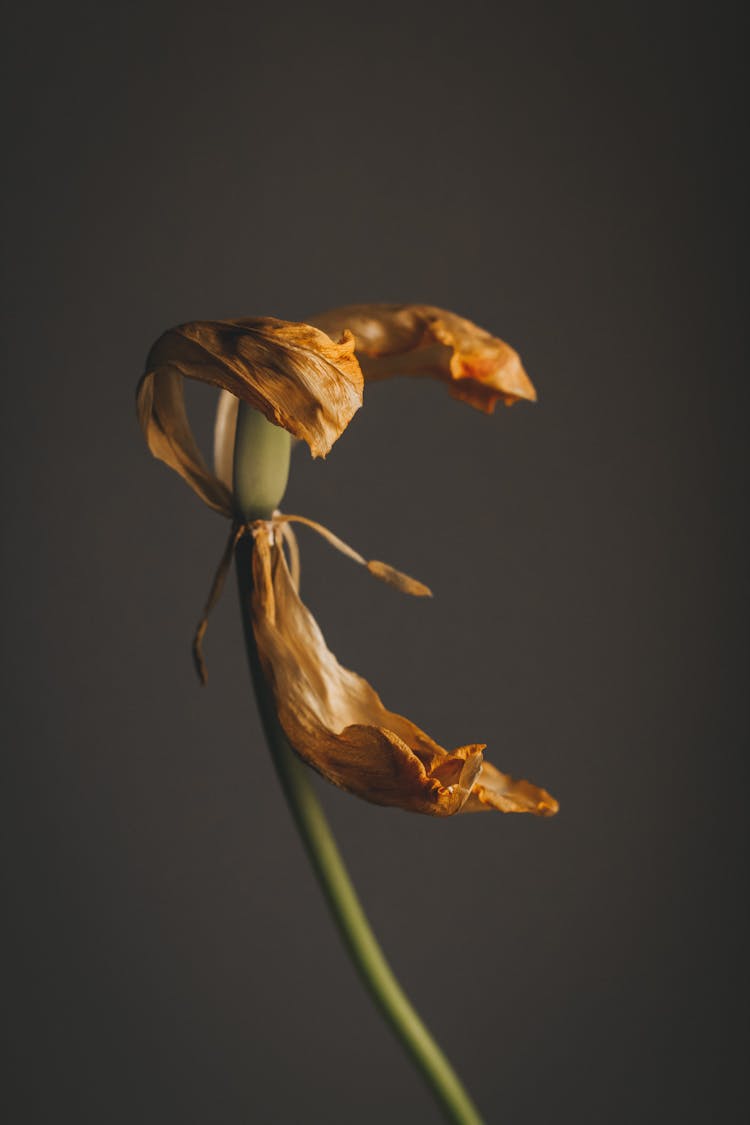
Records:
x=338, y=889
x=261, y=466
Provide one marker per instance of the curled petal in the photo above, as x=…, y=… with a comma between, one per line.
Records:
x=421, y=340
x=160, y=403
x=295, y=374
x=336, y=721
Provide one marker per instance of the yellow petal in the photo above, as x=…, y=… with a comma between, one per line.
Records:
x=295, y=374
x=421, y=340
x=335, y=720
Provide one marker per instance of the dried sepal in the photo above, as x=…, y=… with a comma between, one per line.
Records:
x=295, y=374
x=393, y=340
x=337, y=723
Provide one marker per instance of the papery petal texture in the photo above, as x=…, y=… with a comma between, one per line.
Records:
x=337, y=723
x=422, y=340
x=295, y=374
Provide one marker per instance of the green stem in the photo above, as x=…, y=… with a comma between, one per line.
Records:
x=332, y=874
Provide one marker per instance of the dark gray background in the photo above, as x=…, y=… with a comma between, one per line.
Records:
x=568, y=176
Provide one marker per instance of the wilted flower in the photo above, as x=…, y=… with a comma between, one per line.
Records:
x=303, y=380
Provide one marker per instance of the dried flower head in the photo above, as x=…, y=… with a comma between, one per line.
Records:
x=308, y=379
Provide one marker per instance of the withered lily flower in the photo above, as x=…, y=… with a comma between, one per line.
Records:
x=308, y=379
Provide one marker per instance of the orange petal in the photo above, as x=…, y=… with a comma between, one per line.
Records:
x=335, y=720
x=295, y=374
x=496, y=790
x=421, y=340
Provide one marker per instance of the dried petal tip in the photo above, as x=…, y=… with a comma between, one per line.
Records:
x=496, y=790
x=422, y=340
